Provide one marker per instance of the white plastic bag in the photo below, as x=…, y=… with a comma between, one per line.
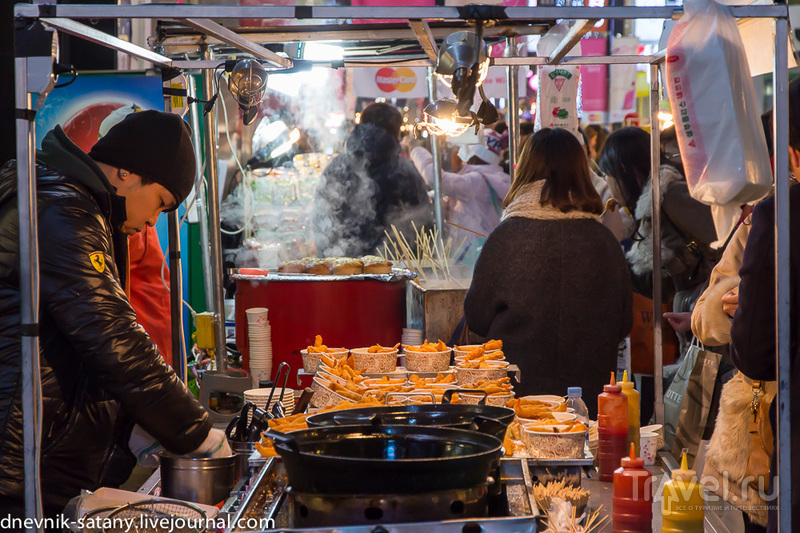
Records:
x=716, y=113
x=557, y=97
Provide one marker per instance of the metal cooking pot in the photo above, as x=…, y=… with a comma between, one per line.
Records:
x=385, y=459
x=487, y=419
x=242, y=451
x=207, y=480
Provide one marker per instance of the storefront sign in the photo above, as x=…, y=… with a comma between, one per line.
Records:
x=622, y=92
x=594, y=82
x=390, y=82
x=495, y=84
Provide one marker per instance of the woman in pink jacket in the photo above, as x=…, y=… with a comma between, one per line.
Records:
x=476, y=191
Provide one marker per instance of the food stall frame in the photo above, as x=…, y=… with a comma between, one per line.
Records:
x=34, y=79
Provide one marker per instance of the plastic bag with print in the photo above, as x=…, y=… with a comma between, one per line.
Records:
x=716, y=113
x=557, y=97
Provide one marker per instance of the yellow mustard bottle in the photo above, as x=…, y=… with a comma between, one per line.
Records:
x=682, y=506
x=633, y=410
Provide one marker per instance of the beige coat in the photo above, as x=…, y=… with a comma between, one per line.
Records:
x=729, y=447
x=710, y=324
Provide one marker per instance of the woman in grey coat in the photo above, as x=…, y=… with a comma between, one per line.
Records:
x=551, y=281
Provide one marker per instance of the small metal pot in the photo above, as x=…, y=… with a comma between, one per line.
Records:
x=207, y=480
x=243, y=451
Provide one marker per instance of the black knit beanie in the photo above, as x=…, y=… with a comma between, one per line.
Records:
x=153, y=144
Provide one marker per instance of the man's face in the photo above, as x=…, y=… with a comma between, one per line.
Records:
x=143, y=203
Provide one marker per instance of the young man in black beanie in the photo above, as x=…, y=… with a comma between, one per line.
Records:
x=99, y=369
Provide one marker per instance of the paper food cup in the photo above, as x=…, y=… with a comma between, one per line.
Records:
x=648, y=446
x=374, y=363
x=427, y=361
x=658, y=429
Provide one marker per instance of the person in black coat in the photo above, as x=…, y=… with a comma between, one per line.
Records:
x=99, y=369
x=551, y=281
x=753, y=330
x=363, y=192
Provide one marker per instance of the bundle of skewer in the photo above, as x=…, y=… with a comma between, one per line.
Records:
x=430, y=255
x=568, y=522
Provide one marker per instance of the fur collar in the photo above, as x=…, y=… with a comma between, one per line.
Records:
x=527, y=204
x=640, y=255
x=729, y=447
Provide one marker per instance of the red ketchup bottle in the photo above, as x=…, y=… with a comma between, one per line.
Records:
x=612, y=426
x=633, y=496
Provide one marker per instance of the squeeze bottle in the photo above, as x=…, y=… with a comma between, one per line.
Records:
x=632, y=497
x=612, y=426
x=682, y=508
x=633, y=410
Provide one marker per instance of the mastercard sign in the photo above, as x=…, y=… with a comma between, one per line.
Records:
x=401, y=79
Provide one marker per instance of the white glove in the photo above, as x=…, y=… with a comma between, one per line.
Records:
x=145, y=447
x=215, y=445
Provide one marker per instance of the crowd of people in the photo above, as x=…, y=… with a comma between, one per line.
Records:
x=563, y=254
x=563, y=266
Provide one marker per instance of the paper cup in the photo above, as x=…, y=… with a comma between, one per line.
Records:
x=374, y=363
x=427, y=361
x=257, y=316
x=648, y=445
x=657, y=429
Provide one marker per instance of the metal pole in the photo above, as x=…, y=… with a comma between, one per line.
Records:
x=783, y=289
x=176, y=285
x=437, y=162
x=655, y=164
x=512, y=116
x=200, y=203
x=29, y=295
x=214, y=237
x=176, y=295
x=124, y=33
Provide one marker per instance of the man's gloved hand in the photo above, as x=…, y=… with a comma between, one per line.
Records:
x=144, y=447
x=215, y=445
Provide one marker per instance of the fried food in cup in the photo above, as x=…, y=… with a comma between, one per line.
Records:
x=492, y=345
x=440, y=346
x=377, y=348
x=572, y=426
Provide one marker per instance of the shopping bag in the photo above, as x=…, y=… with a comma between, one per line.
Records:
x=641, y=337
x=716, y=112
x=673, y=397
x=696, y=404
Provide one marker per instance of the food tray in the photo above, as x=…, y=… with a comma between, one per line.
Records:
x=545, y=470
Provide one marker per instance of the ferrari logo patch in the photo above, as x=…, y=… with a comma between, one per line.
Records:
x=98, y=261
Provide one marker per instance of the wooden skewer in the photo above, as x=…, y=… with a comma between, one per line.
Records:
x=466, y=229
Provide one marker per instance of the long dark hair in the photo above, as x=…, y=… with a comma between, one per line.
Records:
x=556, y=156
x=626, y=157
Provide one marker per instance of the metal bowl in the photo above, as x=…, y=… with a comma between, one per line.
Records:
x=207, y=480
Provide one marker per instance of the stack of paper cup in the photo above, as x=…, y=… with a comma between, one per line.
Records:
x=260, y=335
x=412, y=337
x=260, y=396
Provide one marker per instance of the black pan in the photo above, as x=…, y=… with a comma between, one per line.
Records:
x=385, y=459
x=487, y=419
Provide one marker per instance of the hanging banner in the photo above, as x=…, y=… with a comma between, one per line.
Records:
x=594, y=80
x=390, y=82
x=557, y=96
x=622, y=92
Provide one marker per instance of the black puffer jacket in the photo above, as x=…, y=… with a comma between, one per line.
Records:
x=365, y=191
x=96, y=362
